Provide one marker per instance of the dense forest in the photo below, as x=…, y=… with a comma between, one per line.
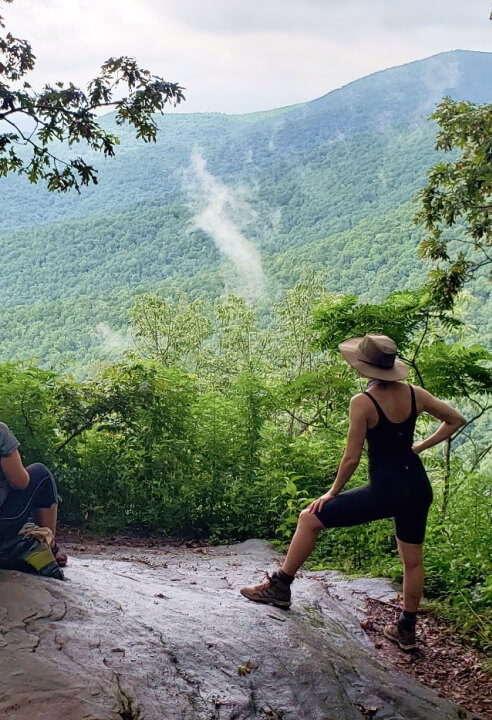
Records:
x=220, y=428
x=325, y=186
x=198, y=402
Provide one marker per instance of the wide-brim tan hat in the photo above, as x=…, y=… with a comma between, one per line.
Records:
x=374, y=356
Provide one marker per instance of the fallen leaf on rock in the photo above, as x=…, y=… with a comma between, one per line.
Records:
x=245, y=669
x=365, y=710
x=274, y=714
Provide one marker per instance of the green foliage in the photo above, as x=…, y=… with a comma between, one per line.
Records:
x=169, y=331
x=402, y=316
x=423, y=333
x=456, y=370
x=237, y=447
x=333, y=196
x=67, y=115
x=459, y=190
x=296, y=500
x=27, y=404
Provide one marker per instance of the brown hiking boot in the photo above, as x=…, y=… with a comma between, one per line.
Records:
x=272, y=591
x=404, y=638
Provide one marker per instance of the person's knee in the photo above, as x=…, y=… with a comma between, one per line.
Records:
x=43, y=482
x=38, y=471
x=412, y=562
x=309, y=520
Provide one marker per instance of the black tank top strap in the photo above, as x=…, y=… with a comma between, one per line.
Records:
x=381, y=414
x=414, y=402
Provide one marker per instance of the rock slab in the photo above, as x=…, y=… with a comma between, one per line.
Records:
x=163, y=634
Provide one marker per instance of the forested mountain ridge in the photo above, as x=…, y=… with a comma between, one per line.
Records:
x=326, y=184
x=229, y=416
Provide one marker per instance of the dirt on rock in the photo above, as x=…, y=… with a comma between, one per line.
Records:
x=162, y=633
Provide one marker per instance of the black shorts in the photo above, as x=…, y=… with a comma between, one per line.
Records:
x=408, y=508
x=20, y=504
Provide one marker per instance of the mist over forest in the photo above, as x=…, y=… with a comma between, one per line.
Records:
x=249, y=204
x=179, y=321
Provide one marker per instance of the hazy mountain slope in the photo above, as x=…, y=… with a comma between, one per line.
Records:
x=327, y=183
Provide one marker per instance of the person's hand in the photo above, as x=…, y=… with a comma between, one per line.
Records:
x=316, y=505
x=416, y=449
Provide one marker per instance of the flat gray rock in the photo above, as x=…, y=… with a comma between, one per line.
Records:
x=163, y=634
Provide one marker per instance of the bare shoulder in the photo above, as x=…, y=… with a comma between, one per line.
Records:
x=359, y=414
x=358, y=400
x=359, y=404
x=424, y=398
x=421, y=396
x=426, y=402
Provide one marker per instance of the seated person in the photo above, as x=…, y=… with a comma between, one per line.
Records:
x=25, y=492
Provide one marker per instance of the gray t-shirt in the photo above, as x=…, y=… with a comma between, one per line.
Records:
x=8, y=443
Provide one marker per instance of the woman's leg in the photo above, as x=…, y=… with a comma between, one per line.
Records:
x=352, y=507
x=276, y=588
x=44, y=501
x=403, y=631
x=413, y=574
x=303, y=542
x=20, y=505
x=38, y=500
x=44, y=513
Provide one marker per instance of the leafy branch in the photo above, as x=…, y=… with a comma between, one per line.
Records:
x=65, y=115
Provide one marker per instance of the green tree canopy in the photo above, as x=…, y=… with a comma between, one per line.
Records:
x=459, y=191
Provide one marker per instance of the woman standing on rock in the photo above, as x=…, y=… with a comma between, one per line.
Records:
x=25, y=492
x=385, y=415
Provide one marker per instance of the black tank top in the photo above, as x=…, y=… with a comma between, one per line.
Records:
x=387, y=439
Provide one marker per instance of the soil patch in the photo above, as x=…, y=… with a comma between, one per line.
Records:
x=442, y=661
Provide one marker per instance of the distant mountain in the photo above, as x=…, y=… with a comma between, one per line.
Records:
x=326, y=184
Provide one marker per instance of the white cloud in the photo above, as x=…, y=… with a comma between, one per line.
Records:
x=112, y=342
x=223, y=213
x=234, y=56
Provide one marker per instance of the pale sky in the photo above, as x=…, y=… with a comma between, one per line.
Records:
x=244, y=55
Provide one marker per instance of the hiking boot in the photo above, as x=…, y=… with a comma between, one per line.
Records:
x=405, y=639
x=272, y=591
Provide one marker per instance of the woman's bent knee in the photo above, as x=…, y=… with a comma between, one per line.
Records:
x=309, y=520
x=43, y=484
x=38, y=470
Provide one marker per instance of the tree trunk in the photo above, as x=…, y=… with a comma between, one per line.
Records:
x=447, y=476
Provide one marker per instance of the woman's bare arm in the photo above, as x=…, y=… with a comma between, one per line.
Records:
x=451, y=419
x=353, y=450
x=15, y=472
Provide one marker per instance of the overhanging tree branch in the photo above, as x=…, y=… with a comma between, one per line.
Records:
x=68, y=115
